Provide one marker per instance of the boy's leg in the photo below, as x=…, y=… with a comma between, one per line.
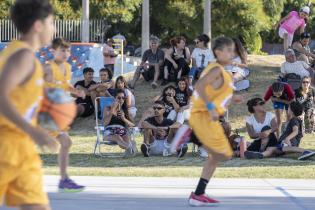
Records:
x=66, y=184
x=136, y=77
x=65, y=145
x=279, y=120
x=285, y=41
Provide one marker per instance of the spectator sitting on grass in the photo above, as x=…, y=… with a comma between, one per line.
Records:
x=281, y=95
x=177, y=60
x=238, y=67
x=117, y=122
x=305, y=95
x=170, y=103
x=201, y=57
x=260, y=126
x=152, y=62
x=85, y=106
x=290, y=139
x=302, y=49
x=121, y=84
x=158, y=133
x=106, y=86
x=291, y=65
x=182, y=98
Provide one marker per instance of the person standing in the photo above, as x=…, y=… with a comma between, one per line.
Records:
x=109, y=55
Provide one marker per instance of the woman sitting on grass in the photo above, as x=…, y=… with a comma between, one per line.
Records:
x=260, y=126
x=182, y=98
x=117, y=122
x=121, y=84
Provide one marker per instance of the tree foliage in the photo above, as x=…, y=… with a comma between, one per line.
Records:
x=250, y=20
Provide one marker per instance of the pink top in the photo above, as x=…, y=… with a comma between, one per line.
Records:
x=293, y=23
x=108, y=59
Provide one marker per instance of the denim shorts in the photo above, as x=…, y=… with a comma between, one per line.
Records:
x=280, y=105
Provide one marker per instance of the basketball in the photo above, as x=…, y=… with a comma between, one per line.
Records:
x=57, y=110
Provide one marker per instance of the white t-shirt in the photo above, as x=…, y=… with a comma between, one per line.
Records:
x=298, y=67
x=203, y=57
x=258, y=126
x=232, y=68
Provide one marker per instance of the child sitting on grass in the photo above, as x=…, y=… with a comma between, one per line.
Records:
x=290, y=139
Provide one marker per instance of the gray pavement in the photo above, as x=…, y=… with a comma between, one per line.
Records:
x=122, y=193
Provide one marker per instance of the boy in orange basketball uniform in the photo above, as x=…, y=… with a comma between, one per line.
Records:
x=213, y=93
x=21, y=90
x=58, y=75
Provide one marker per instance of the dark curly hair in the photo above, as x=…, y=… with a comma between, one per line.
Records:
x=296, y=108
x=253, y=102
x=25, y=13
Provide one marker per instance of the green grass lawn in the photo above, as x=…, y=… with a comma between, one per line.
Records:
x=83, y=162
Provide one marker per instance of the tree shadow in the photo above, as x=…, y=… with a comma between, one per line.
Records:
x=90, y=160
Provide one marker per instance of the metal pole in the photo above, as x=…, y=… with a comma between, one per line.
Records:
x=207, y=19
x=85, y=30
x=145, y=25
x=122, y=57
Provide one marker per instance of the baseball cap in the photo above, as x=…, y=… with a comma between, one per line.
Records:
x=305, y=9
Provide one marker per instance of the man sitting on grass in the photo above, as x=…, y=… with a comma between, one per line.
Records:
x=290, y=139
x=158, y=133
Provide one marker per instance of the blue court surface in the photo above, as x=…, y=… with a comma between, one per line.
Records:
x=120, y=193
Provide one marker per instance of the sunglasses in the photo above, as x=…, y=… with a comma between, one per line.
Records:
x=260, y=103
x=120, y=98
x=306, y=82
x=158, y=108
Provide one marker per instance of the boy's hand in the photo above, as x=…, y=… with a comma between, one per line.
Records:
x=81, y=94
x=43, y=140
x=288, y=142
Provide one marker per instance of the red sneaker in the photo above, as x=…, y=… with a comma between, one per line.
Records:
x=202, y=200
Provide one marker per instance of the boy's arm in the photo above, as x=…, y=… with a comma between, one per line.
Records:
x=18, y=70
x=208, y=79
x=295, y=132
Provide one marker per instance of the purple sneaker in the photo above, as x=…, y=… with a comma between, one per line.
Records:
x=68, y=185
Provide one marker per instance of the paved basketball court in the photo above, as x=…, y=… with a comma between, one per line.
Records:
x=122, y=193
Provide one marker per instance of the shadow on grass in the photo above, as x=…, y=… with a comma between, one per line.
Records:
x=89, y=160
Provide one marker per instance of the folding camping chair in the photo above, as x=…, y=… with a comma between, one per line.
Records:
x=99, y=127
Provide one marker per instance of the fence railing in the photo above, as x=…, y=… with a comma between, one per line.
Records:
x=68, y=29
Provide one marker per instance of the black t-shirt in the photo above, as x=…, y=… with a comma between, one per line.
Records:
x=295, y=121
x=149, y=56
x=87, y=99
x=168, y=106
x=307, y=102
x=181, y=97
x=165, y=123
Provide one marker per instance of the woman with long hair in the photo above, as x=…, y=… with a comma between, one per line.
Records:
x=117, y=122
x=177, y=58
x=121, y=84
x=238, y=66
x=305, y=95
x=182, y=97
x=201, y=57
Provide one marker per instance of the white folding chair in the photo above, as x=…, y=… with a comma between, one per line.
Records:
x=105, y=102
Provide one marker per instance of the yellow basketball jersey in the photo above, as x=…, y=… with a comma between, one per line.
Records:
x=16, y=145
x=220, y=97
x=26, y=98
x=60, y=80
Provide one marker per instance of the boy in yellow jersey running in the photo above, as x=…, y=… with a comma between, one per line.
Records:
x=21, y=90
x=58, y=75
x=213, y=93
